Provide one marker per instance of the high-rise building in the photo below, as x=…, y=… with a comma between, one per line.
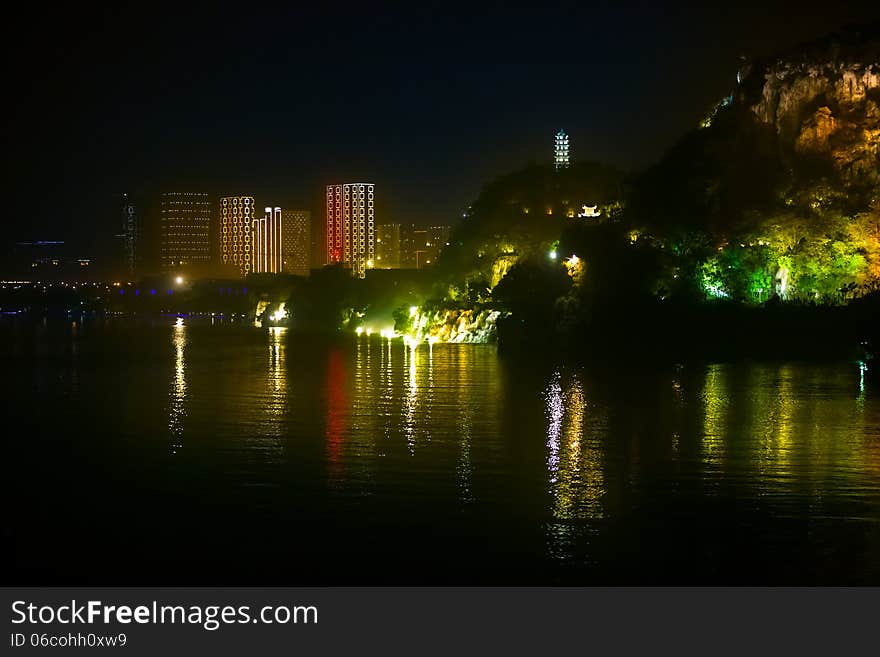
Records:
x=413, y=246
x=130, y=236
x=185, y=231
x=236, y=234
x=561, y=152
x=267, y=242
x=296, y=245
x=388, y=246
x=420, y=247
x=438, y=239
x=350, y=226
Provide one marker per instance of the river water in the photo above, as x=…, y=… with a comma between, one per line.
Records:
x=164, y=451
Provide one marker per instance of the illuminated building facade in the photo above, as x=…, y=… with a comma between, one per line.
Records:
x=296, y=243
x=185, y=231
x=413, y=244
x=420, y=247
x=589, y=211
x=266, y=237
x=130, y=236
x=388, y=246
x=438, y=239
x=350, y=226
x=236, y=233
x=561, y=153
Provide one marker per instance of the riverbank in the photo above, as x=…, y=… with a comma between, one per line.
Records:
x=717, y=332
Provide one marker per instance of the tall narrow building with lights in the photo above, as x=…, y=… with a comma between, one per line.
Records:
x=267, y=242
x=185, y=242
x=296, y=243
x=350, y=226
x=130, y=236
x=236, y=234
x=561, y=152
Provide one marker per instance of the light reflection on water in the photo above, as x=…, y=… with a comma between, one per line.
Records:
x=780, y=427
x=573, y=465
x=177, y=402
x=276, y=397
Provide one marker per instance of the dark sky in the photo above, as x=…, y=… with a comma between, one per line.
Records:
x=429, y=103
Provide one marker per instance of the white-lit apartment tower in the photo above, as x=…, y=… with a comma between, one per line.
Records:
x=236, y=233
x=267, y=242
x=561, y=158
x=350, y=226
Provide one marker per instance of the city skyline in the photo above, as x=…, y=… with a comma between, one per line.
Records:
x=200, y=236
x=154, y=140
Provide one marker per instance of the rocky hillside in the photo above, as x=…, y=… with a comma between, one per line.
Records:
x=823, y=99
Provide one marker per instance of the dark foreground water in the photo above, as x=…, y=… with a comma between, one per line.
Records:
x=148, y=453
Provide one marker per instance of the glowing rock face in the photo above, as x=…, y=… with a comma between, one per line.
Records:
x=827, y=105
x=456, y=326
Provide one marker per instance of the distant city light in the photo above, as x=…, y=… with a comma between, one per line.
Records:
x=179, y=280
x=552, y=255
x=359, y=330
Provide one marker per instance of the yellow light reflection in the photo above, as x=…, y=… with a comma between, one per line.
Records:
x=412, y=396
x=574, y=463
x=715, y=410
x=177, y=403
x=277, y=359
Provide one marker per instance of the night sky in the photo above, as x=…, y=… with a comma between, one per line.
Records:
x=427, y=103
